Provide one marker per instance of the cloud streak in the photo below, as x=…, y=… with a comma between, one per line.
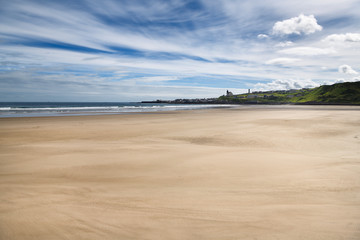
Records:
x=308, y=51
x=282, y=61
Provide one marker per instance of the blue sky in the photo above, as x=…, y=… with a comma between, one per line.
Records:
x=132, y=50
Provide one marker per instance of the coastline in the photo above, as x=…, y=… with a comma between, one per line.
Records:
x=48, y=109
x=266, y=172
x=214, y=102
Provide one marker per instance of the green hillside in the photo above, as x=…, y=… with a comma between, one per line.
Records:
x=340, y=93
x=348, y=92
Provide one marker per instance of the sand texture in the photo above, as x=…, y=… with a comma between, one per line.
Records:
x=277, y=172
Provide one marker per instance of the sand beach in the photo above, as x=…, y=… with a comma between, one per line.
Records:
x=253, y=172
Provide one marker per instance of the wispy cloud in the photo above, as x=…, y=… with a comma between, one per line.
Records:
x=282, y=61
x=308, y=51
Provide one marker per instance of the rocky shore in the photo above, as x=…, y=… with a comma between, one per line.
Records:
x=191, y=101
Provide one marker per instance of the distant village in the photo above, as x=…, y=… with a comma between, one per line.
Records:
x=268, y=94
x=188, y=101
x=224, y=99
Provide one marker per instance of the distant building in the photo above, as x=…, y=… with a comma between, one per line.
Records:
x=229, y=94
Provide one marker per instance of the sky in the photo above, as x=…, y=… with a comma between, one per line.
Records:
x=133, y=50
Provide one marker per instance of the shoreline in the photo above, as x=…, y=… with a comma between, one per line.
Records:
x=230, y=106
x=41, y=109
x=195, y=102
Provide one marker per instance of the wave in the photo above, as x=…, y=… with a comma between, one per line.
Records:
x=41, y=110
x=177, y=106
x=107, y=108
x=56, y=108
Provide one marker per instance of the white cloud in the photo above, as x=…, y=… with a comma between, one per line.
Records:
x=282, y=61
x=356, y=79
x=297, y=25
x=286, y=84
x=285, y=44
x=347, y=69
x=342, y=80
x=263, y=36
x=348, y=37
x=308, y=51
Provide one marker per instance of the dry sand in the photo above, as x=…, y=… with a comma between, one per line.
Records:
x=277, y=172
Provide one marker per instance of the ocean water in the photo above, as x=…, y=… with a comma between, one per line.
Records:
x=38, y=109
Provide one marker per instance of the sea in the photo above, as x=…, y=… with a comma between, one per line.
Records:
x=43, y=109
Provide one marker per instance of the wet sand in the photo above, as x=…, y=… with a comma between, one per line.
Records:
x=275, y=172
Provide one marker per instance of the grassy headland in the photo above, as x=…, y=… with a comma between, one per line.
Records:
x=340, y=93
